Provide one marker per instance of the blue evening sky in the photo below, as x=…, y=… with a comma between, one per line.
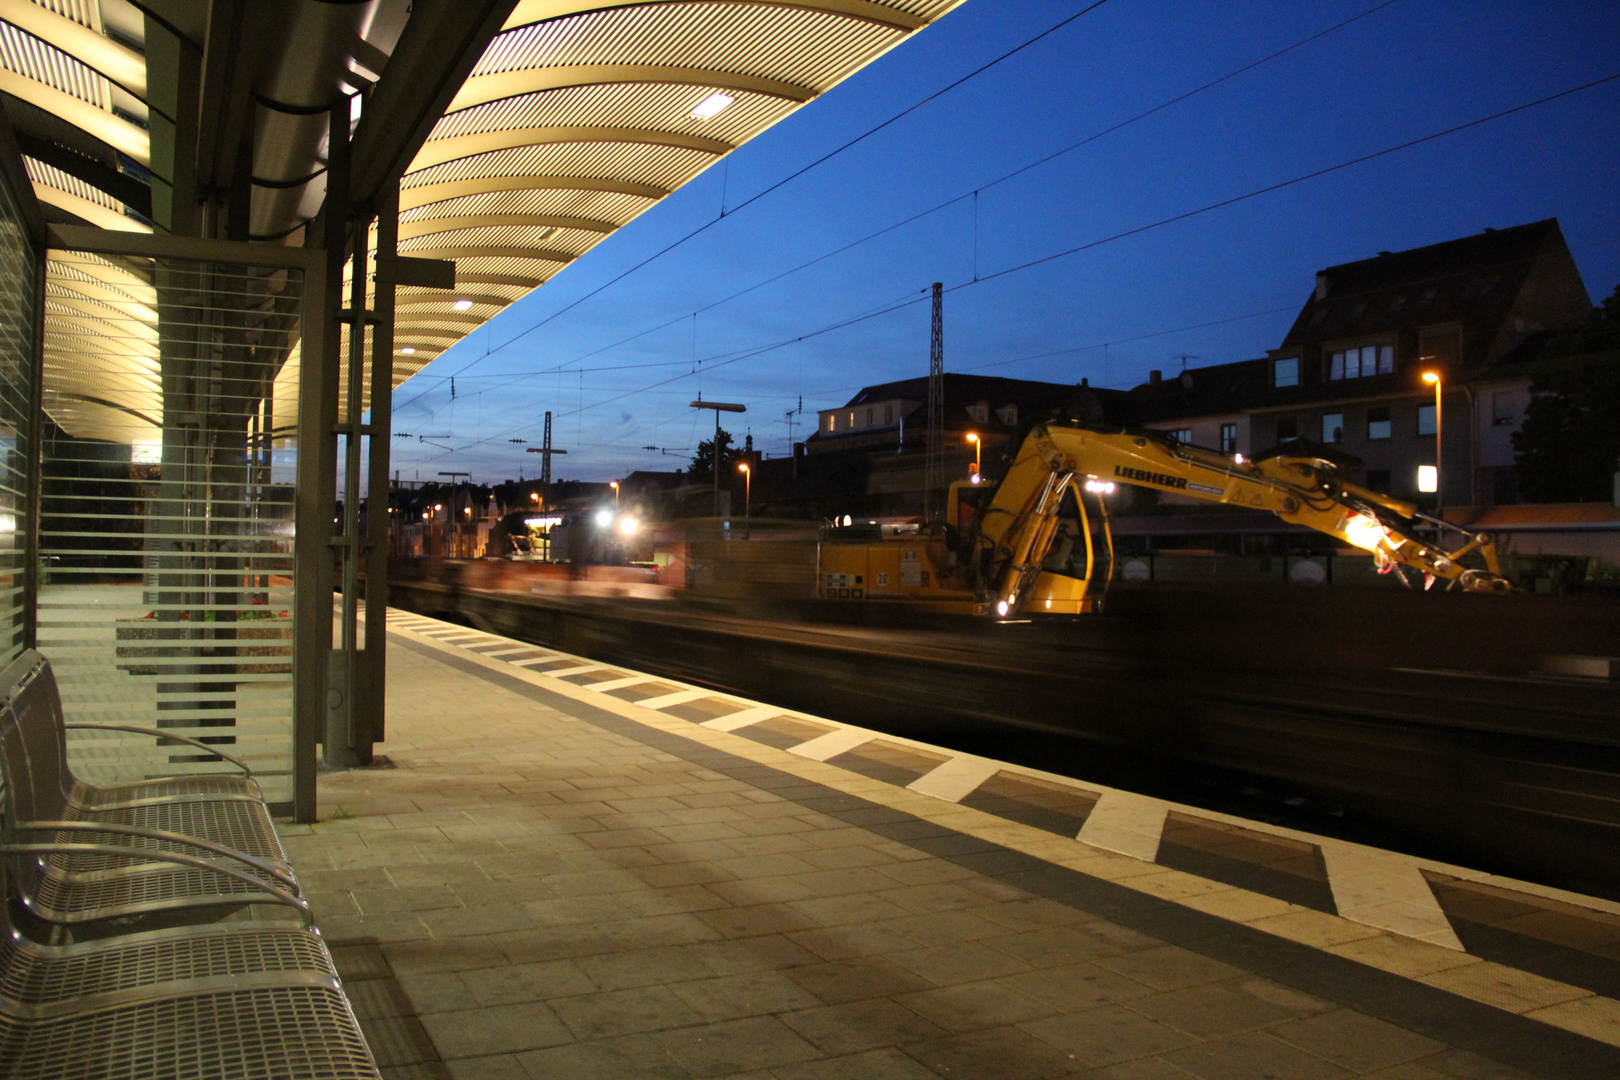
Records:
x=1237, y=274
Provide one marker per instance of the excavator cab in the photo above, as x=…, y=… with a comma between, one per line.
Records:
x=1078, y=564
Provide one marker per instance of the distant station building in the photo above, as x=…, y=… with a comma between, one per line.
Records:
x=867, y=456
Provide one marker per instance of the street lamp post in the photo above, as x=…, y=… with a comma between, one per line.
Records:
x=978, y=447
x=1433, y=379
x=748, y=495
x=614, y=484
x=718, y=407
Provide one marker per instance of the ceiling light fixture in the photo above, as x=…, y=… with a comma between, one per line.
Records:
x=408, y=351
x=462, y=305
x=712, y=106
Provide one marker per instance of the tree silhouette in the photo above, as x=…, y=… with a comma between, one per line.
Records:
x=1570, y=439
x=702, y=471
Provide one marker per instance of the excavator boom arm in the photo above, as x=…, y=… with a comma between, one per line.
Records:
x=1300, y=490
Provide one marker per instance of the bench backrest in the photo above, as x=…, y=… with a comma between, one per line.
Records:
x=33, y=744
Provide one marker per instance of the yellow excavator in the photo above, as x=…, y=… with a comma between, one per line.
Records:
x=1039, y=543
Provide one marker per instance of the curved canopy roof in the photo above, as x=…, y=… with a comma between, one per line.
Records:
x=579, y=115
x=582, y=114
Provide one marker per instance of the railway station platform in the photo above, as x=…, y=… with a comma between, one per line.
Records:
x=562, y=868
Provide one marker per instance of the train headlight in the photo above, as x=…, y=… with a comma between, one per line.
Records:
x=604, y=518
x=629, y=526
x=1002, y=607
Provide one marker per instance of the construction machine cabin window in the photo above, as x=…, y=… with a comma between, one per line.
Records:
x=1068, y=554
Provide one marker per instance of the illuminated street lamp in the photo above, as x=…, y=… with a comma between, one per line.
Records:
x=1433, y=379
x=978, y=447
x=748, y=493
x=614, y=484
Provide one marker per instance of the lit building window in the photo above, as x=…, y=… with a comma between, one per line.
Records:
x=1285, y=372
x=1181, y=435
x=1378, y=426
x=1425, y=420
x=1361, y=362
x=1333, y=427
x=1228, y=438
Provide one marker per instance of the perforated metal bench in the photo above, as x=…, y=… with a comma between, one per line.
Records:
x=240, y=997
x=226, y=999
x=219, y=818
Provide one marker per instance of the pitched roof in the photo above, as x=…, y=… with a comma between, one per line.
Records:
x=1204, y=391
x=1474, y=278
x=964, y=389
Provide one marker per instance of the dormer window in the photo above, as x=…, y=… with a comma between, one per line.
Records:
x=1285, y=372
x=979, y=412
x=1359, y=363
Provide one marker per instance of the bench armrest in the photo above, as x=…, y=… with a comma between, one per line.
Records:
x=238, y=762
x=261, y=865
x=280, y=896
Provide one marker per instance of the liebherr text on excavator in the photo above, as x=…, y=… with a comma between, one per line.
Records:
x=1039, y=541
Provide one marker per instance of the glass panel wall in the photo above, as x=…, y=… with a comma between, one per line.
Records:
x=19, y=306
x=166, y=530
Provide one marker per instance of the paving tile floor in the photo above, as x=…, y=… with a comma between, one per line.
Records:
x=522, y=893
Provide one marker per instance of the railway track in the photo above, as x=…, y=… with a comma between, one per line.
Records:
x=1302, y=713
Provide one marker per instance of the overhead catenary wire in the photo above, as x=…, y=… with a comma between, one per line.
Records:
x=823, y=159
x=1137, y=231
x=936, y=208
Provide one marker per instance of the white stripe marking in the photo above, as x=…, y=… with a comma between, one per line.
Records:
x=1128, y=824
x=614, y=684
x=680, y=697
x=956, y=779
x=1380, y=889
x=833, y=743
x=561, y=672
x=733, y=721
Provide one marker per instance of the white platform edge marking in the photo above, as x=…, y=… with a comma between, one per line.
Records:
x=1387, y=891
x=543, y=659
x=680, y=697
x=578, y=670
x=1127, y=824
x=733, y=721
x=1413, y=913
x=833, y=743
x=956, y=779
x=614, y=684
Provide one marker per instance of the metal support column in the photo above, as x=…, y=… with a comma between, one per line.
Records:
x=369, y=715
x=934, y=464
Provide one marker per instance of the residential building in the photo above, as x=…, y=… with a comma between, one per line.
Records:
x=1348, y=375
